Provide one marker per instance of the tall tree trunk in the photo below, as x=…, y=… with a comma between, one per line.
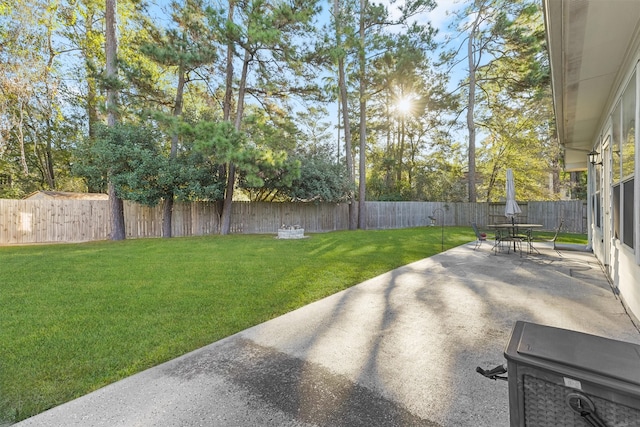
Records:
x=48, y=166
x=92, y=93
x=400, y=151
x=228, y=90
x=23, y=154
x=362, y=182
x=92, y=112
x=167, y=207
x=48, y=158
x=226, y=104
x=225, y=226
x=342, y=86
x=111, y=47
x=470, y=112
x=167, y=210
x=111, y=51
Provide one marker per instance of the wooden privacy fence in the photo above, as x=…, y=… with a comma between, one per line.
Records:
x=51, y=221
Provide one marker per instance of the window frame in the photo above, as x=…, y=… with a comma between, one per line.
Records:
x=623, y=215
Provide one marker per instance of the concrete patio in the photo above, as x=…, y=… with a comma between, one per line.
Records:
x=399, y=349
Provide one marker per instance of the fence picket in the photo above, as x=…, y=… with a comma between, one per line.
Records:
x=49, y=221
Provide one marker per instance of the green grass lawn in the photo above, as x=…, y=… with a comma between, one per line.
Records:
x=563, y=237
x=77, y=317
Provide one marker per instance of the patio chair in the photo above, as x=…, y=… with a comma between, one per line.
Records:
x=533, y=239
x=524, y=236
x=480, y=237
x=504, y=239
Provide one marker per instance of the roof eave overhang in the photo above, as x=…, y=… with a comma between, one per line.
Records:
x=589, y=43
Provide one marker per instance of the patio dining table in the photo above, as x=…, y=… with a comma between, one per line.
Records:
x=515, y=230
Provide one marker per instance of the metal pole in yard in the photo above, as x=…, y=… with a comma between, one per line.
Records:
x=441, y=228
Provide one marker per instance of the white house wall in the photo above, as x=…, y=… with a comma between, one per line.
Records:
x=594, y=48
x=626, y=277
x=623, y=263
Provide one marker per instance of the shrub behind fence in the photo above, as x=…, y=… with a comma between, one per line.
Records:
x=51, y=221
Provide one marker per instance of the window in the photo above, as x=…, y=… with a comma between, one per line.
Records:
x=627, y=154
x=596, y=204
x=615, y=142
x=623, y=165
x=627, y=162
x=628, y=226
x=616, y=211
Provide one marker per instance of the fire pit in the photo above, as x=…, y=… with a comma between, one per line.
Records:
x=290, y=232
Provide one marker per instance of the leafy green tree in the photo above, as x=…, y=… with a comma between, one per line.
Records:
x=515, y=142
x=321, y=178
x=185, y=49
x=364, y=34
x=504, y=50
x=268, y=176
x=33, y=126
x=125, y=156
x=54, y=89
x=131, y=155
x=291, y=164
x=409, y=114
x=515, y=113
x=268, y=173
x=442, y=175
x=262, y=172
x=266, y=35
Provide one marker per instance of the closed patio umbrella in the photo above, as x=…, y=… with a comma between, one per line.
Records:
x=512, y=208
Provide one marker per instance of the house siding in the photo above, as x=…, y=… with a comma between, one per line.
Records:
x=621, y=261
x=626, y=275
